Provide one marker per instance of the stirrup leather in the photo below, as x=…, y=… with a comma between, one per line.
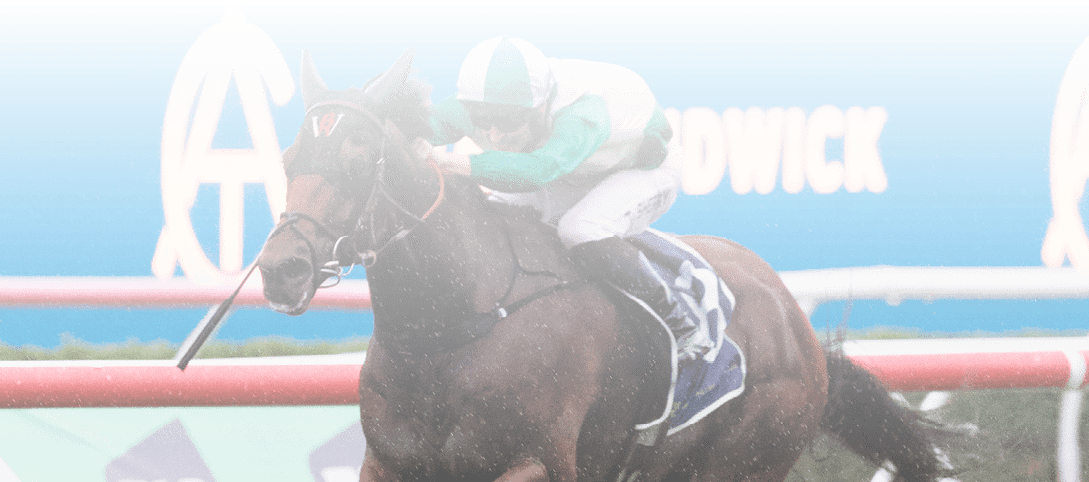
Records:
x=692, y=339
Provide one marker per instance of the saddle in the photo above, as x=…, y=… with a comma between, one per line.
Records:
x=684, y=392
x=696, y=387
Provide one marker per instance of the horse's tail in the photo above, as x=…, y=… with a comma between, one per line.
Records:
x=868, y=421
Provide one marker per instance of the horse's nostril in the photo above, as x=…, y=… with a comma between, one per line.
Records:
x=294, y=268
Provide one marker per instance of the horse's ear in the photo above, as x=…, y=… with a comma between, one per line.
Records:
x=310, y=81
x=385, y=85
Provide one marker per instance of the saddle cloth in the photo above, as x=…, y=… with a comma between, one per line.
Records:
x=697, y=387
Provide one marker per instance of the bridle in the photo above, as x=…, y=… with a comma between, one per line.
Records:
x=345, y=248
x=345, y=254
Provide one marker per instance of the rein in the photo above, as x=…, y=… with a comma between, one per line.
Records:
x=344, y=261
x=345, y=254
x=368, y=258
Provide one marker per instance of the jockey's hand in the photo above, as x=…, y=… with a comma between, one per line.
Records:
x=456, y=162
x=449, y=162
x=423, y=149
x=453, y=163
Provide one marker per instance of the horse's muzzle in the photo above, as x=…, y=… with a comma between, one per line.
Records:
x=289, y=284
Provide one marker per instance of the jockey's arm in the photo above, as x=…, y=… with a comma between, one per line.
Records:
x=577, y=132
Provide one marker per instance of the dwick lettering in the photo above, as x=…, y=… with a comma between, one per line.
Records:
x=758, y=144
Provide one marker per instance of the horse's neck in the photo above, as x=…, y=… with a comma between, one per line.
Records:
x=454, y=264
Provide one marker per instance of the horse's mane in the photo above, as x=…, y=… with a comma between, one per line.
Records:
x=408, y=107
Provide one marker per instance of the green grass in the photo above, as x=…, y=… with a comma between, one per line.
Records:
x=76, y=349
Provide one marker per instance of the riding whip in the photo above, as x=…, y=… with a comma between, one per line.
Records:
x=204, y=329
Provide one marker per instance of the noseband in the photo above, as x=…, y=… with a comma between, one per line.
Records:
x=345, y=253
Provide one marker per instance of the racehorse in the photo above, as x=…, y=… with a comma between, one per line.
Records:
x=494, y=358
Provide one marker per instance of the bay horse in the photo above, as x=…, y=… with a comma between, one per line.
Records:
x=494, y=358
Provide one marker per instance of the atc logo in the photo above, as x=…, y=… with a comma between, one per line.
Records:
x=238, y=50
x=1066, y=237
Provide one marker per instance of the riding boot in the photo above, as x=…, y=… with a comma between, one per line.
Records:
x=618, y=262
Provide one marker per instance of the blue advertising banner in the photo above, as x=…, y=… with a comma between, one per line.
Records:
x=145, y=141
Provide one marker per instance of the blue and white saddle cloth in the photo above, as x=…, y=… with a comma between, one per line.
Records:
x=697, y=386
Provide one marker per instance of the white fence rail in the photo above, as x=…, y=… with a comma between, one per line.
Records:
x=895, y=284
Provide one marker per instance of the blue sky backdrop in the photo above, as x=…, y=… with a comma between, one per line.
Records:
x=969, y=90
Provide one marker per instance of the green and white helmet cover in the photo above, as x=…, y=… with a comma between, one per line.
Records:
x=506, y=71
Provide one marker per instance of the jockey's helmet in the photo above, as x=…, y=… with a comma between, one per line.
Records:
x=504, y=82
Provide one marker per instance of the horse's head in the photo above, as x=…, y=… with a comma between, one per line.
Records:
x=350, y=143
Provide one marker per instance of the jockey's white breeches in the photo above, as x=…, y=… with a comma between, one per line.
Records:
x=623, y=204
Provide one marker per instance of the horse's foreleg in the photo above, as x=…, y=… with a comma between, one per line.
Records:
x=526, y=470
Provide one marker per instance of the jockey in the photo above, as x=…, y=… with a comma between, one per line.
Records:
x=584, y=143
